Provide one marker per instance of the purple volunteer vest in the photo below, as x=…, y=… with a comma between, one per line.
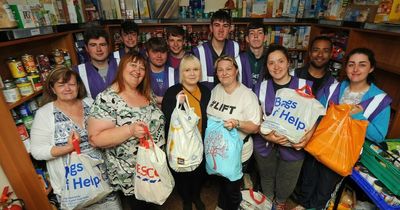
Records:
x=260, y=144
x=170, y=77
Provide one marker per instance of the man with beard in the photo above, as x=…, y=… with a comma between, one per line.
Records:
x=99, y=72
x=218, y=46
x=317, y=70
x=307, y=194
x=162, y=76
x=251, y=63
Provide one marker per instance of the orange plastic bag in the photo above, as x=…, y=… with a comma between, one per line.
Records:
x=338, y=139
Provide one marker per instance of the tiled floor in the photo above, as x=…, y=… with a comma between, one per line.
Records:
x=209, y=196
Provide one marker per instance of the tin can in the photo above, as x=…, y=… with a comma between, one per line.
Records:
x=10, y=91
x=29, y=63
x=16, y=68
x=44, y=62
x=24, y=86
x=58, y=57
x=34, y=78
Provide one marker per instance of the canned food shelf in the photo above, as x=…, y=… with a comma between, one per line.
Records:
x=24, y=99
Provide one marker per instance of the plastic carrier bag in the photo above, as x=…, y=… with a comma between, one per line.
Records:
x=338, y=139
x=223, y=150
x=295, y=112
x=84, y=184
x=184, y=144
x=153, y=180
x=254, y=201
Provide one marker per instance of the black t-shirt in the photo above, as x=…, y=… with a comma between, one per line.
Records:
x=317, y=82
x=278, y=86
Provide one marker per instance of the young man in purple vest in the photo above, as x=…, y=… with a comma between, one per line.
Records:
x=251, y=62
x=219, y=45
x=175, y=41
x=99, y=72
x=161, y=74
x=129, y=34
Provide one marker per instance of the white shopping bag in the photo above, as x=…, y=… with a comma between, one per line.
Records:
x=184, y=144
x=84, y=184
x=153, y=180
x=254, y=201
x=295, y=112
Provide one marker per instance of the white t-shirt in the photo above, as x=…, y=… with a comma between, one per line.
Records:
x=242, y=104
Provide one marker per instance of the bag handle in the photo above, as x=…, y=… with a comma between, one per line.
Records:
x=263, y=197
x=177, y=100
x=303, y=91
x=75, y=144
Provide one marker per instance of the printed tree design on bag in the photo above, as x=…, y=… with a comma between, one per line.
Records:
x=216, y=146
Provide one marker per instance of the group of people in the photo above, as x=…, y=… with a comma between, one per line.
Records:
x=108, y=102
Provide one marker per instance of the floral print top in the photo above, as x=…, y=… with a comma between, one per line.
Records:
x=121, y=159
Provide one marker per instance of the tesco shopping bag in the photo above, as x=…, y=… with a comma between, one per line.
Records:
x=84, y=184
x=254, y=201
x=223, y=150
x=184, y=144
x=338, y=139
x=295, y=112
x=153, y=180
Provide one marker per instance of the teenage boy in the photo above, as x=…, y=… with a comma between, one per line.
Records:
x=251, y=63
x=219, y=45
x=175, y=41
x=99, y=72
x=129, y=34
x=162, y=75
x=316, y=71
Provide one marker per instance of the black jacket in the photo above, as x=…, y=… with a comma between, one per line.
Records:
x=169, y=103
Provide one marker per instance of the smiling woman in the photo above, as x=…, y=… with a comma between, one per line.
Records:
x=61, y=119
x=243, y=115
x=118, y=119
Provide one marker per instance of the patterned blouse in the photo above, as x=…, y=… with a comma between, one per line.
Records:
x=121, y=159
x=63, y=128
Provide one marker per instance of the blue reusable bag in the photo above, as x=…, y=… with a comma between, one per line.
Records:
x=223, y=150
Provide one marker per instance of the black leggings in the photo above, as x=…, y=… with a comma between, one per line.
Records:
x=229, y=197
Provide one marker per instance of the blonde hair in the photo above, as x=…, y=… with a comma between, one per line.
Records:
x=186, y=61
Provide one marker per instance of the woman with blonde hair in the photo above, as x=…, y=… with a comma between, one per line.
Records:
x=189, y=183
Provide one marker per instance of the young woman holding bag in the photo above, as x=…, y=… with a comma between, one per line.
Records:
x=279, y=166
x=189, y=183
x=359, y=90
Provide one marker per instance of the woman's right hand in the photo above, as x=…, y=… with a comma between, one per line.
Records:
x=73, y=136
x=275, y=138
x=137, y=129
x=180, y=97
